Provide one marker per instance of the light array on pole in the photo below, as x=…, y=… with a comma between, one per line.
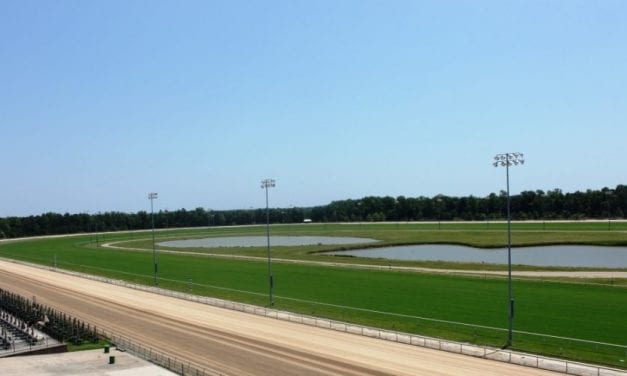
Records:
x=268, y=183
x=265, y=184
x=508, y=159
x=153, y=196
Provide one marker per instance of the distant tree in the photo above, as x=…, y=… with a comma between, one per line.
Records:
x=553, y=204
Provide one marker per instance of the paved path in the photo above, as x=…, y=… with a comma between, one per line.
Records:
x=81, y=363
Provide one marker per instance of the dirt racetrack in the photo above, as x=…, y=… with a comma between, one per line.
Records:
x=236, y=343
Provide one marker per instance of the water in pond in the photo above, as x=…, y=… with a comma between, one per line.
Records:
x=261, y=241
x=560, y=255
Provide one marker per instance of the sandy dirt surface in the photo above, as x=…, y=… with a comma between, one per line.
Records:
x=236, y=343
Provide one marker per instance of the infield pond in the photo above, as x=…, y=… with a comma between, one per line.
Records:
x=558, y=255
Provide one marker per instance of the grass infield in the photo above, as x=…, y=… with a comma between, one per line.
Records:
x=428, y=304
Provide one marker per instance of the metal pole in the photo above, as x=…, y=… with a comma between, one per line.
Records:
x=506, y=160
x=154, y=249
x=609, y=213
x=510, y=315
x=439, y=201
x=153, y=196
x=268, y=183
x=270, y=281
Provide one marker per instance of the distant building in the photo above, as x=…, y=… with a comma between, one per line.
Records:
x=307, y=220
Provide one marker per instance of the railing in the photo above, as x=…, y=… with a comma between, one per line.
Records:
x=466, y=348
x=161, y=359
x=492, y=353
x=16, y=340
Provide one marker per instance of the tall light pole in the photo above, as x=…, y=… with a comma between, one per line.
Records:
x=608, y=195
x=265, y=184
x=439, y=201
x=153, y=196
x=506, y=160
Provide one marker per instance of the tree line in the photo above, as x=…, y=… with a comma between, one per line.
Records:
x=538, y=205
x=528, y=205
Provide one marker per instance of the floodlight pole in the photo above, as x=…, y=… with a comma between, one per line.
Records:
x=439, y=201
x=506, y=160
x=265, y=184
x=153, y=196
x=608, y=193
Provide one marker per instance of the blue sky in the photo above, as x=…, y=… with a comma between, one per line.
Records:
x=102, y=102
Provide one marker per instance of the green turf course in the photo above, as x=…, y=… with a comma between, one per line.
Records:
x=472, y=234
x=387, y=299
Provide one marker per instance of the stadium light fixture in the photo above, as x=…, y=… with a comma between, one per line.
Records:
x=265, y=184
x=506, y=160
x=153, y=196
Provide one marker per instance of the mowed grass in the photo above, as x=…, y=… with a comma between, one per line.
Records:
x=393, y=300
x=388, y=234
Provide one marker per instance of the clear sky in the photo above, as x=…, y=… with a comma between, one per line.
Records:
x=102, y=102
